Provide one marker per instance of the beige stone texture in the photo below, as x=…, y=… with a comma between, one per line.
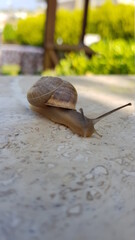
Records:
x=55, y=185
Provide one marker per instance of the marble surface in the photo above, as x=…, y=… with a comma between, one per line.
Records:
x=56, y=185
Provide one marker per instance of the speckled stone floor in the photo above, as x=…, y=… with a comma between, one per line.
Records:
x=56, y=185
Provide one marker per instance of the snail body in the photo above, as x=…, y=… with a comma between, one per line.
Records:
x=56, y=100
x=68, y=117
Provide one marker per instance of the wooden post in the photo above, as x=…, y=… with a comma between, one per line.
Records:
x=86, y=4
x=50, y=58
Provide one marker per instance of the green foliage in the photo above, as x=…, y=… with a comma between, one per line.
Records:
x=73, y=64
x=10, y=69
x=9, y=33
x=114, y=57
x=49, y=72
x=112, y=21
x=30, y=31
x=68, y=26
x=109, y=20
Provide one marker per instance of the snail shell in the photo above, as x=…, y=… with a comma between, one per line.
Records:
x=54, y=92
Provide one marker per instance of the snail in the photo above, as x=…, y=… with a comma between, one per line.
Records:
x=56, y=99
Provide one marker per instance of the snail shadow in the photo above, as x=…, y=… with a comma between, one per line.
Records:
x=99, y=94
x=105, y=92
x=96, y=94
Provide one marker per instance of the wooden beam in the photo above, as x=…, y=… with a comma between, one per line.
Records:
x=84, y=22
x=49, y=34
x=69, y=48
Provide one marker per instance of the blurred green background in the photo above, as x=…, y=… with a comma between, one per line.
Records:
x=114, y=23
